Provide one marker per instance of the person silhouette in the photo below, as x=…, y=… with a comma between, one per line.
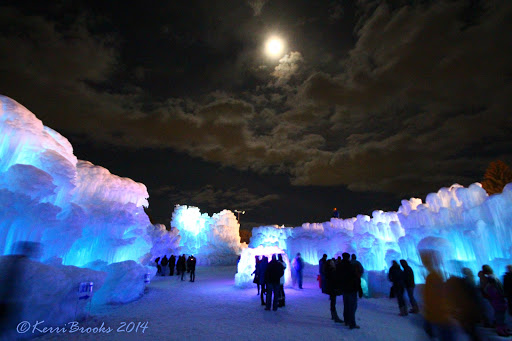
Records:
x=298, y=265
x=192, y=266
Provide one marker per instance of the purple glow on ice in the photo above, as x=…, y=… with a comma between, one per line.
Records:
x=247, y=264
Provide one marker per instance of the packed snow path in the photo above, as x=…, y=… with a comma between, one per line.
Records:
x=211, y=308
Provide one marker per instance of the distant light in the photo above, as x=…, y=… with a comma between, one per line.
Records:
x=274, y=47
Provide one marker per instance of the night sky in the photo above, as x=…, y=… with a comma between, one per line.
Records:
x=370, y=102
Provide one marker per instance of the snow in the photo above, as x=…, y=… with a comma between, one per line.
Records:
x=49, y=291
x=45, y=292
x=124, y=282
x=213, y=308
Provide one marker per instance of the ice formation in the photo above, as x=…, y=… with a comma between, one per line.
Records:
x=164, y=243
x=44, y=292
x=124, y=281
x=212, y=240
x=85, y=216
x=82, y=213
x=247, y=264
x=78, y=211
x=468, y=227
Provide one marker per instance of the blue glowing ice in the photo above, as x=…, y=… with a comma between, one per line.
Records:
x=82, y=213
x=78, y=211
x=247, y=264
x=468, y=227
x=213, y=240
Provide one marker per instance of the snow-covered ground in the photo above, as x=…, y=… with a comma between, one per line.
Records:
x=212, y=308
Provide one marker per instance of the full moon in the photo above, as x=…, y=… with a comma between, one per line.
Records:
x=274, y=47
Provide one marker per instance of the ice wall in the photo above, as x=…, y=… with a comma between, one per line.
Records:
x=164, y=243
x=468, y=227
x=247, y=264
x=78, y=211
x=81, y=213
x=212, y=240
x=42, y=292
x=124, y=281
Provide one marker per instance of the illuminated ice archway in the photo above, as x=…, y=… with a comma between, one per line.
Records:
x=247, y=264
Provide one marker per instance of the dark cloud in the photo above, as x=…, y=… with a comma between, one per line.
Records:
x=415, y=97
x=257, y=5
x=212, y=197
x=427, y=87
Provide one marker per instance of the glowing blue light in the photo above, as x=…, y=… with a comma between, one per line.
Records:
x=465, y=225
x=247, y=264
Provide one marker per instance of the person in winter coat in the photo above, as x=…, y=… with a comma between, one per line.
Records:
x=192, y=267
x=263, y=269
x=178, y=265
x=282, y=296
x=172, y=264
x=164, y=262
x=298, y=265
x=182, y=266
x=436, y=303
x=409, y=285
x=493, y=291
x=273, y=275
x=348, y=278
x=466, y=307
x=256, y=273
x=507, y=287
x=158, y=267
x=396, y=276
x=359, y=271
x=188, y=264
x=321, y=271
x=332, y=287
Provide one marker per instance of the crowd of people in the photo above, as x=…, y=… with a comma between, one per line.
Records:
x=403, y=281
x=341, y=276
x=457, y=300
x=461, y=300
x=269, y=279
x=182, y=265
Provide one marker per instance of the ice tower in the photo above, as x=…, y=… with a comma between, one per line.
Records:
x=213, y=240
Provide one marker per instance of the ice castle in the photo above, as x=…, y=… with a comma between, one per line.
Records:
x=86, y=217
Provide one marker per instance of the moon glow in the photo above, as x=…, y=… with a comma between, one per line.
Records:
x=274, y=47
